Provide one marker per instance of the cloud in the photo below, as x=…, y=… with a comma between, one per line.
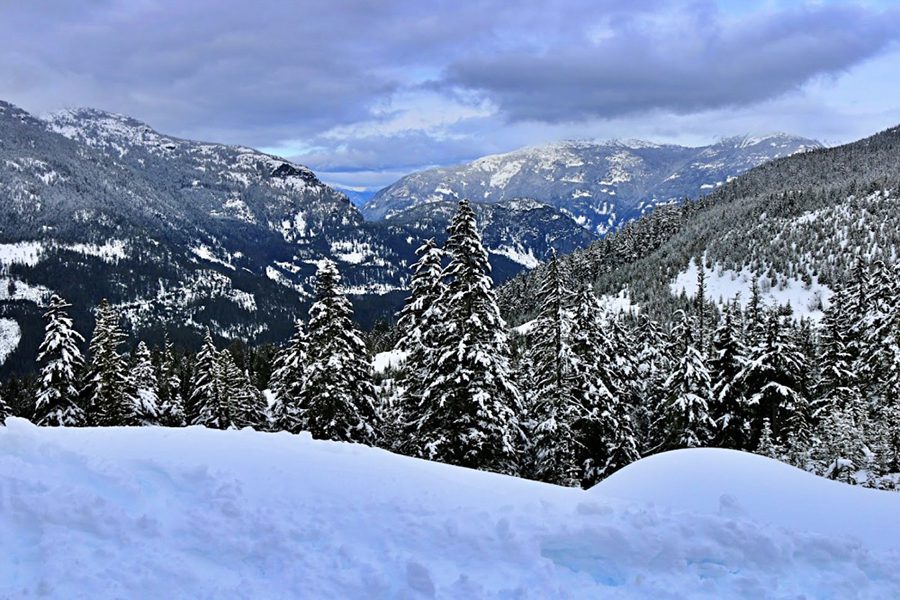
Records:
x=682, y=61
x=362, y=88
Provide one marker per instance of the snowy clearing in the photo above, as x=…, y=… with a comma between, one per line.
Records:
x=391, y=359
x=723, y=285
x=178, y=513
x=10, y=335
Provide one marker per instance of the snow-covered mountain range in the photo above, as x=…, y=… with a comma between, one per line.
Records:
x=600, y=184
x=100, y=205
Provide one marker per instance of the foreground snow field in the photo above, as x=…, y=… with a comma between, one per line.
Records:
x=195, y=513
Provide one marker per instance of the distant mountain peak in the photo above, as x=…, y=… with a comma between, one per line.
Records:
x=602, y=184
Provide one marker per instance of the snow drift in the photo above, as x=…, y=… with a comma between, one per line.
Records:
x=196, y=513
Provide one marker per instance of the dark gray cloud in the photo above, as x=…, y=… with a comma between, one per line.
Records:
x=358, y=86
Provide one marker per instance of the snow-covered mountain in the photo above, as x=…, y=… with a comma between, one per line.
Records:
x=199, y=234
x=192, y=512
x=800, y=226
x=601, y=184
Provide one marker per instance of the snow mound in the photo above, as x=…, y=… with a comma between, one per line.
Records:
x=195, y=513
x=747, y=486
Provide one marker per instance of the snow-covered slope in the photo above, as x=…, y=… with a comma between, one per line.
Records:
x=600, y=184
x=188, y=234
x=195, y=513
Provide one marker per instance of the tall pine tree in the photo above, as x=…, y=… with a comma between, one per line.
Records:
x=338, y=400
x=146, y=407
x=551, y=404
x=468, y=413
x=168, y=388
x=108, y=391
x=683, y=419
x=60, y=362
x=287, y=380
x=604, y=428
x=207, y=405
x=419, y=323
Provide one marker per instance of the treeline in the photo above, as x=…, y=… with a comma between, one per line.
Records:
x=575, y=395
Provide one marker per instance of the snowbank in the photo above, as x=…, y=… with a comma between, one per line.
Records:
x=747, y=486
x=186, y=513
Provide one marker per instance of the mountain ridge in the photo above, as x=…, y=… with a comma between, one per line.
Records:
x=601, y=184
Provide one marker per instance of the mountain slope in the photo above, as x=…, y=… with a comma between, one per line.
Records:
x=184, y=234
x=602, y=185
x=201, y=513
x=798, y=224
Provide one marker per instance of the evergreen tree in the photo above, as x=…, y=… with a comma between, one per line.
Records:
x=60, y=362
x=108, y=389
x=5, y=410
x=683, y=419
x=700, y=307
x=419, y=322
x=338, y=400
x=208, y=406
x=146, y=408
x=728, y=407
x=838, y=386
x=605, y=437
x=839, y=449
x=552, y=405
x=243, y=405
x=287, y=379
x=646, y=385
x=168, y=388
x=767, y=445
x=772, y=379
x=468, y=413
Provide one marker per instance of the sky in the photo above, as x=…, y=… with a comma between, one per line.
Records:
x=364, y=92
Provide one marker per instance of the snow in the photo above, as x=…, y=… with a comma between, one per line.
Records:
x=21, y=253
x=185, y=513
x=723, y=285
x=110, y=251
x=30, y=253
x=10, y=335
x=740, y=485
x=518, y=255
x=206, y=253
x=391, y=359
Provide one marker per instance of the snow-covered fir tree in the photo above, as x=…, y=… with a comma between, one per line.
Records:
x=603, y=429
x=728, y=406
x=772, y=378
x=468, y=413
x=645, y=387
x=683, y=419
x=60, y=362
x=338, y=400
x=5, y=410
x=146, y=408
x=207, y=405
x=552, y=406
x=108, y=390
x=419, y=323
x=168, y=388
x=287, y=379
x=768, y=446
x=244, y=405
x=838, y=387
